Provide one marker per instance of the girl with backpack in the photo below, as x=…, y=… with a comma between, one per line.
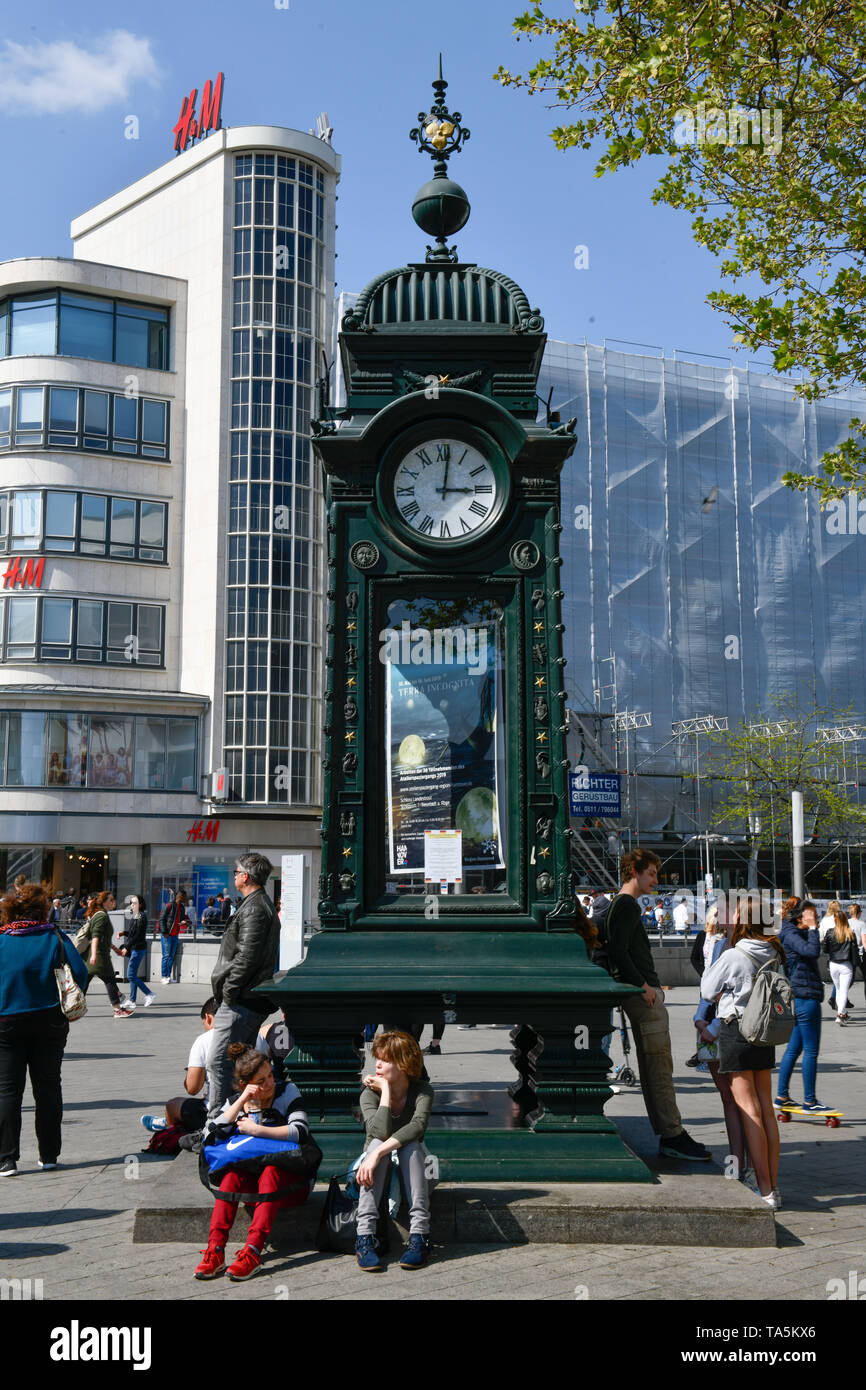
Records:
x=267, y=1110
x=730, y=981
x=842, y=947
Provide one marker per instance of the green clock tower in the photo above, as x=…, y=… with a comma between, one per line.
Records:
x=446, y=883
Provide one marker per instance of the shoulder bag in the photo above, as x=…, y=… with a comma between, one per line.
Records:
x=72, y=1000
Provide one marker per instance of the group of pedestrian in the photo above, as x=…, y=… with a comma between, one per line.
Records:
x=798, y=943
x=729, y=956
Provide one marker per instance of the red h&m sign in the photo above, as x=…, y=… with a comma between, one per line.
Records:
x=201, y=831
x=188, y=127
x=30, y=577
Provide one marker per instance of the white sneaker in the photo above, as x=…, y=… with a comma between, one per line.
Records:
x=166, y=980
x=770, y=1201
x=151, y=999
x=128, y=1004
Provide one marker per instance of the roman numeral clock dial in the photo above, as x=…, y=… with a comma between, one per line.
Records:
x=444, y=489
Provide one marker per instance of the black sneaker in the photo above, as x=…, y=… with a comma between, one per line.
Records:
x=8, y=1168
x=693, y=1060
x=683, y=1146
x=433, y=1050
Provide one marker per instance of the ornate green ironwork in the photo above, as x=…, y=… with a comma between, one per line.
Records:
x=435, y=351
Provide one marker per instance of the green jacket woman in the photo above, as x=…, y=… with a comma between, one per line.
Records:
x=95, y=948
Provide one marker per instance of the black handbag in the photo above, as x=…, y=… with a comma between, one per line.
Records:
x=338, y=1226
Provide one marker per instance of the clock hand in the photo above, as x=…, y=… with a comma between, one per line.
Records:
x=444, y=488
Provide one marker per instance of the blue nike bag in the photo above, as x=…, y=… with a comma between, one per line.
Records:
x=252, y=1153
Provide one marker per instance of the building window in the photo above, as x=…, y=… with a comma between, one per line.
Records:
x=274, y=540
x=73, y=417
x=108, y=751
x=47, y=627
x=124, y=528
x=85, y=325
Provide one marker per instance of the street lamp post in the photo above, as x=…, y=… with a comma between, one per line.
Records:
x=781, y=728
x=694, y=727
x=625, y=720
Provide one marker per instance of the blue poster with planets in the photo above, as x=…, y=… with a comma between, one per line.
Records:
x=443, y=742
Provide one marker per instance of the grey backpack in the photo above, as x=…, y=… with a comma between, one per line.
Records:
x=768, y=1018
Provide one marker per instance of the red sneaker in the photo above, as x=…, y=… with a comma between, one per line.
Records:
x=214, y=1262
x=246, y=1262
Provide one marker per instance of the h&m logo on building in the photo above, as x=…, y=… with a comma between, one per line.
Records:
x=28, y=575
x=190, y=128
x=846, y=516
x=201, y=831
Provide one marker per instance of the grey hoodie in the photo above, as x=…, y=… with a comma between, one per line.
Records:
x=733, y=974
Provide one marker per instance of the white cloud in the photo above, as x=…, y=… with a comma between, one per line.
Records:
x=41, y=79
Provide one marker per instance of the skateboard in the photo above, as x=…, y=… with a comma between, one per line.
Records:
x=830, y=1117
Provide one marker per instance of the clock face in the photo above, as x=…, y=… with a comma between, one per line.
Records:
x=444, y=489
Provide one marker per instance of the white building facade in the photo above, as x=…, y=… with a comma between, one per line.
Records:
x=233, y=241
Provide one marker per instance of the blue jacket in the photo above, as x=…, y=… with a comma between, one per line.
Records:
x=802, y=949
x=706, y=1008
x=27, y=965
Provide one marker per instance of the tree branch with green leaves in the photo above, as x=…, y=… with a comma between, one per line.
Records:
x=787, y=211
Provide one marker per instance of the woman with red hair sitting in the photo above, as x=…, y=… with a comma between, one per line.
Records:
x=396, y=1106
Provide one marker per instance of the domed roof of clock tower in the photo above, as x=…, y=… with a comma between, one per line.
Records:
x=443, y=293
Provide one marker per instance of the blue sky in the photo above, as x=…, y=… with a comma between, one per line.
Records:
x=71, y=75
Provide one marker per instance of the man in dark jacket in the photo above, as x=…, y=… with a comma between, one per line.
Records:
x=248, y=956
x=630, y=962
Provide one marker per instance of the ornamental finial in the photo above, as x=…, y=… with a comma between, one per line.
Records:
x=439, y=132
x=441, y=207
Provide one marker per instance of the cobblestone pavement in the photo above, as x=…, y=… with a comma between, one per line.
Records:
x=71, y=1229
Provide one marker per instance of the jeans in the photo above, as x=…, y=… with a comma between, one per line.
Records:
x=413, y=1175
x=135, y=982
x=35, y=1042
x=169, y=951
x=232, y=1023
x=806, y=1038
x=652, y=1039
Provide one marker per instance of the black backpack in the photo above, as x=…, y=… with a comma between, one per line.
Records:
x=599, y=955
